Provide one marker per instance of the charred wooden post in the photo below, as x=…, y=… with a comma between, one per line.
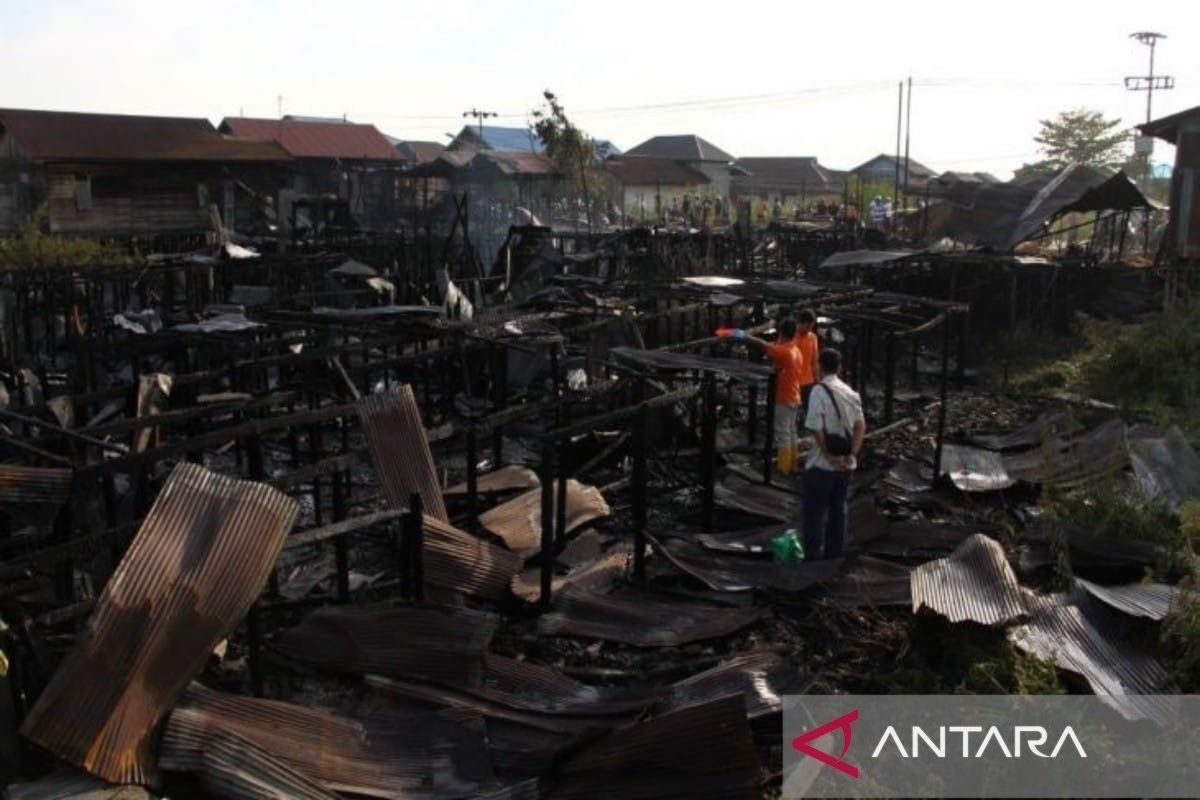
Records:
x=254, y=634
x=889, y=378
x=341, y=547
x=708, y=450
x=639, y=446
x=560, y=507
x=945, y=378
x=412, y=546
x=769, y=429
x=547, y=550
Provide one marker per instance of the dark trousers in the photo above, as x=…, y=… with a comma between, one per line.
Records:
x=824, y=513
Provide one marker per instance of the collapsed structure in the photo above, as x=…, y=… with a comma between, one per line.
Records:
x=402, y=514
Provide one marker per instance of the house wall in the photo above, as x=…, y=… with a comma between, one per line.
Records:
x=638, y=201
x=1185, y=199
x=123, y=200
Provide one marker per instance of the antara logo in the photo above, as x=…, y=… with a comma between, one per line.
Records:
x=1030, y=737
x=842, y=723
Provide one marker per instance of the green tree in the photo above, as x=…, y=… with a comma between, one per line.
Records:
x=1080, y=136
x=571, y=150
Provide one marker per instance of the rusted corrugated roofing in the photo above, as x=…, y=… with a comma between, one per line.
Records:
x=1149, y=600
x=403, y=462
x=871, y=582
x=1164, y=463
x=73, y=786
x=425, y=643
x=519, y=521
x=509, y=478
x=381, y=756
x=1067, y=634
x=598, y=575
x=738, y=493
x=199, y=560
x=735, y=573
x=700, y=751
x=642, y=619
x=231, y=766
x=312, y=139
x=71, y=136
x=1073, y=462
x=974, y=583
x=456, y=560
x=761, y=677
x=49, y=486
x=973, y=469
x=1048, y=426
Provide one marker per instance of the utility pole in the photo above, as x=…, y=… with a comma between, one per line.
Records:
x=899, y=120
x=480, y=116
x=279, y=104
x=1144, y=145
x=1148, y=83
x=907, y=137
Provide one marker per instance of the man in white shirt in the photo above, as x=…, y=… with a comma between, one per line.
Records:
x=835, y=417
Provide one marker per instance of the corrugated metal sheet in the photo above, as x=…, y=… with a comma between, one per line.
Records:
x=34, y=485
x=1047, y=427
x=598, y=575
x=71, y=136
x=509, y=478
x=974, y=583
x=642, y=619
x=761, y=677
x=426, y=755
x=755, y=498
x=425, y=643
x=1164, y=463
x=199, y=560
x=73, y=786
x=231, y=766
x=1067, y=463
x=972, y=469
x=667, y=361
x=312, y=139
x=733, y=573
x=868, y=582
x=704, y=750
x=1075, y=639
x=403, y=462
x=1149, y=600
x=456, y=560
x=519, y=521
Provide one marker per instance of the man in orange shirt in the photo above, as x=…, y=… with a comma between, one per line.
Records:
x=789, y=374
x=810, y=348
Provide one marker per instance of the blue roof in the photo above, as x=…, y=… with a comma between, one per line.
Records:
x=507, y=139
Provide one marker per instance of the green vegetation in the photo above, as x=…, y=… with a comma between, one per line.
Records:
x=1147, y=369
x=33, y=249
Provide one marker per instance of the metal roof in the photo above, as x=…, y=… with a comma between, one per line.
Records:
x=458, y=561
x=199, y=560
x=74, y=136
x=234, y=767
x=973, y=583
x=49, y=485
x=1164, y=463
x=1167, y=128
x=642, y=619
x=519, y=521
x=444, y=645
x=499, y=138
x=791, y=173
x=420, y=152
x=1149, y=600
x=428, y=754
x=305, y=139
x=684, y=147
x=884, y=166
x=637, y=170
x=1078, y=639
x=391, y=422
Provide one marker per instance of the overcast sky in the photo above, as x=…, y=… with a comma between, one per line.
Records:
x=755, y=78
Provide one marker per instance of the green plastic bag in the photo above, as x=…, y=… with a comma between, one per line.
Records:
x=787, y=548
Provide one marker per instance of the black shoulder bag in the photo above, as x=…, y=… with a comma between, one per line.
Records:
x=838, y=444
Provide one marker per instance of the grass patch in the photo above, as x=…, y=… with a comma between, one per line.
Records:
x=33, y=249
